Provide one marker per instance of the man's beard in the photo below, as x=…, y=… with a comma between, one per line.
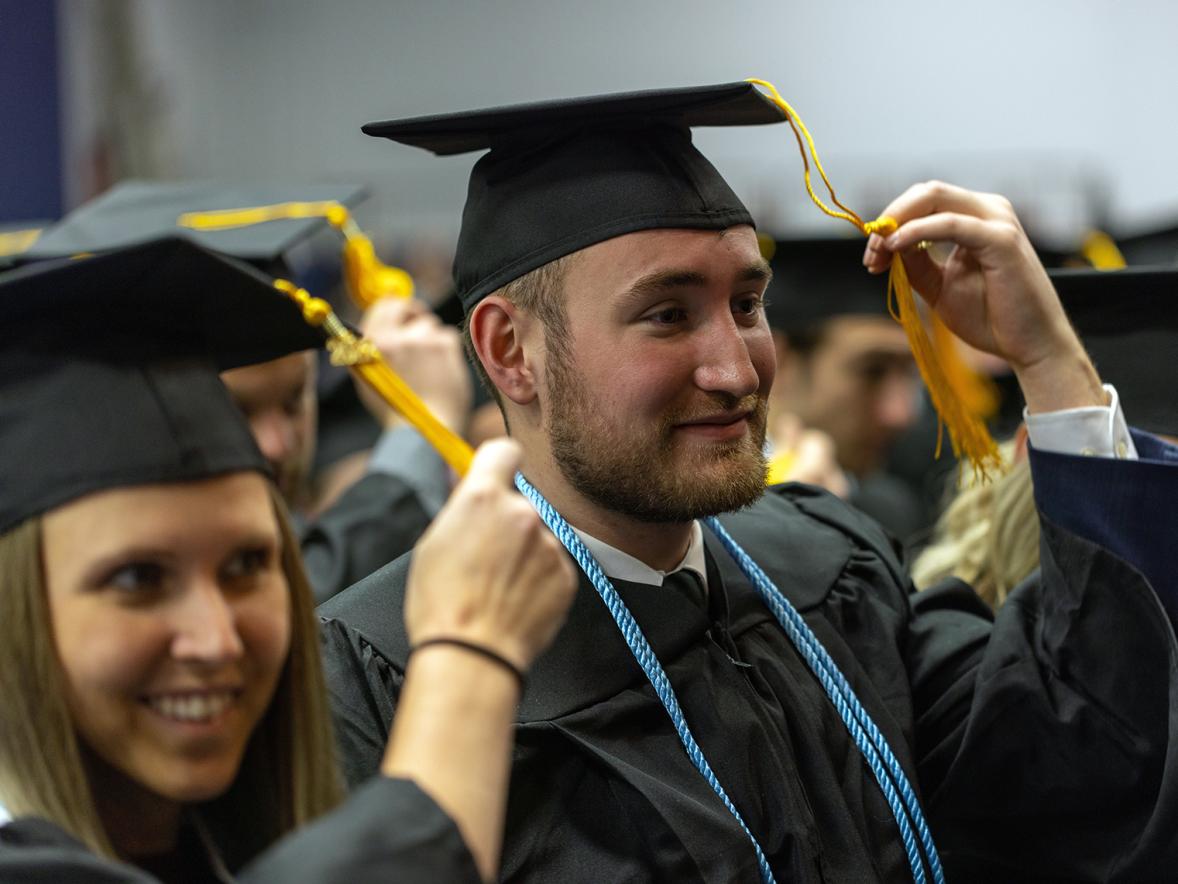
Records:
x=637, y=473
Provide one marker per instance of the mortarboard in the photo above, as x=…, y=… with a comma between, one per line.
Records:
x=297, y=245
x=818, y=279
x=559, y=176
x=108, y=376
x=1128, y=321
x=1158, y=246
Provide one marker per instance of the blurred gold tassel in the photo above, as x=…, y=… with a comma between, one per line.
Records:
x=368, y=278
x=1101, y=251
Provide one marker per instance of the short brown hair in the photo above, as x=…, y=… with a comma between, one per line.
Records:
x=541, y=292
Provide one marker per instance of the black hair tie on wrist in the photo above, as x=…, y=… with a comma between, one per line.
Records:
x=478, y=649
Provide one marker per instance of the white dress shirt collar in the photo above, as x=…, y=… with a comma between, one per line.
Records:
x=623, y=566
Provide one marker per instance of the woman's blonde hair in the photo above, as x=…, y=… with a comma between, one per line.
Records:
x=988, y=536
x=287, y=777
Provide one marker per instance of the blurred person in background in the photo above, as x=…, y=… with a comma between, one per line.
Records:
x=844, y=369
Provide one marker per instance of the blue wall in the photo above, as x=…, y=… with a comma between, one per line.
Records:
x=30, y=131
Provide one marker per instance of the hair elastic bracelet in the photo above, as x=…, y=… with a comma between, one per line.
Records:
x=478, y=649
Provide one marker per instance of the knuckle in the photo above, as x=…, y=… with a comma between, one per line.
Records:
x=480, y=493
x=521, y=519
x=1001, y=204
x=1006, y=234
x=934, y=188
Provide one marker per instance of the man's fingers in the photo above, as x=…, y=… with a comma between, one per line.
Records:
x=935, y=197
x=923, y=270
x=973, y=233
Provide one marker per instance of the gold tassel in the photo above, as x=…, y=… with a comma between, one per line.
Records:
x=363, y=359
x=13, y=242
x=780, y=468
x=368, y=278
x=1101, y=251
x=978, y=392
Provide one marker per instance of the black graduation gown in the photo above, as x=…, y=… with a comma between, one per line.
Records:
x=377, y=519
x=387, y=831
x=893, y=503
x=1039, y=741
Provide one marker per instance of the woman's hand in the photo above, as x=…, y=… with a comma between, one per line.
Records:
x=488, y=570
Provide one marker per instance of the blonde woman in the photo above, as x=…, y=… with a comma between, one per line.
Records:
x=163, y=713
x=989, y=535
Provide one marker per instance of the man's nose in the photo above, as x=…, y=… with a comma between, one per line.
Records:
x=897, y=403
x=725, y=360
x=275, y=435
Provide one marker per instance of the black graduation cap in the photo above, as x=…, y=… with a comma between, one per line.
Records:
x=1053, y=258
x=305, y=250
x=817, y=279
x=562, y=175
x=108, y=370
x=1128, y=321
x=1156, y=246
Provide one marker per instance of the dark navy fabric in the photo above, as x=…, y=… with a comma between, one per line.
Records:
x=1136, y=520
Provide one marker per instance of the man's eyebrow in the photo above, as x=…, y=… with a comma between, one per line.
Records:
x=758, y=272
x=663, y=281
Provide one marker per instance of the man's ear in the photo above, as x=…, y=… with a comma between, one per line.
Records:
x=498, y=330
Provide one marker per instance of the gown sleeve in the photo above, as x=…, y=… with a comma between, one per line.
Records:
x=374, y=521
x=1126, y=506
x=1044, y=741
x=388, y=830
x=363, y=687
x=35, y=851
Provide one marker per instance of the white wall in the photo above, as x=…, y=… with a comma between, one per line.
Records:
x=1066, y=105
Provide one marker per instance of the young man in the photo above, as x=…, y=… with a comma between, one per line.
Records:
x=613, y=289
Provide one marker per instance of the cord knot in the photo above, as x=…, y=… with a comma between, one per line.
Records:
x=883, y=225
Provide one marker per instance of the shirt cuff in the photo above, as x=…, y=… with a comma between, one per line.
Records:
x=1095, y=430
x=404, y=454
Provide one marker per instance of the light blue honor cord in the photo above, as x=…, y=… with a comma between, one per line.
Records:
x=867, y=736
